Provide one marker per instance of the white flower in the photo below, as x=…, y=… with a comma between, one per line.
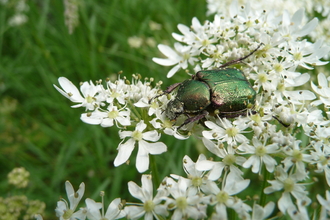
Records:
x=325, y=203
x=17, y=20
x=266, y=80
x=141, y=92
x=113, y=212
x=117, y=91
x=304, y=53
x=108, y=117
x=181, y=56
x=70, y=91
x=195, y=35
x=227, y=131
x=259, y=155
x=135, y=42
x=38, y=217
x=293, y=80
x=259, y=213
x=300, y=213
x=145, y=148
x=321, y=158
x=185, y=203
x=322, y=89
x=197, y=180
x=151, y=206
x=229, y=159
x=65, y=211
x=295, y=156
x=224, y=198
x=162, y=122
x=277, y=7
x=292, y=28
x=287, y=183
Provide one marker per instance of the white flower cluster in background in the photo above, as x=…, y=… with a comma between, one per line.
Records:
x=320, y=8
x=291, y=105
x=71, y=14
x=19, y=8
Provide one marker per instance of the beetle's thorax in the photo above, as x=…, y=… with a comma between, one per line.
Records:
x=193, y=96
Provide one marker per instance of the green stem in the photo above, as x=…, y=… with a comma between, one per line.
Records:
x=231, y=214
x=265, y=175
x=133, y=109
x=154, y=172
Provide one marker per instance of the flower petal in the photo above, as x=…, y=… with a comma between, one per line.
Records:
x=125, y=151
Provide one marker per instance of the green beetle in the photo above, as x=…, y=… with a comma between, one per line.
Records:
x=226, y=90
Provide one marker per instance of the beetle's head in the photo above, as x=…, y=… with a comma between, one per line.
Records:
x=174, y=109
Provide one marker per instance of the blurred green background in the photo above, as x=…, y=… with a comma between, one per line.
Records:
x=38, y=128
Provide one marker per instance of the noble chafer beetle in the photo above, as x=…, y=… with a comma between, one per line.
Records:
x=224, y=90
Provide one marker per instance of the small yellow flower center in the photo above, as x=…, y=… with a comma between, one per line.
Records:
x=181, y=203
x=67, y=214
x=154, y=105
x=288, y=185
x=323, y=160
x=297, y=56
x=137, y=135
x=278, y=67
x=256, y=118
x=149, y=206
x=222, y=197
x=167, y=124
x=196, y=181
x=297, y=155
x=216, y=56
x=260, y=151
x=113, y=114
x=186, y=56
x=281, y=87
x=262, y=77
x=249, y=23
x=115, y=94
x=205, y=42
x=231, y=132
x=89, y=99
x=229, y=159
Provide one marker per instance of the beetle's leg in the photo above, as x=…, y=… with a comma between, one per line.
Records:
x=240, y=59
x=195, y=118
x=235, y=114
x=281, y=122
x=167, y=91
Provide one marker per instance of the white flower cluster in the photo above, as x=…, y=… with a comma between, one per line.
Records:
x=288, y=108
x=189, y=198
x=320, y=8
x=126, y=105
x=91, y=211
x=279, y=74
x=19, y=9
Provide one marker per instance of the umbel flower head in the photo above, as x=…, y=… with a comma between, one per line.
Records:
x=283, y=136
x=122, y=104
x=279, y=73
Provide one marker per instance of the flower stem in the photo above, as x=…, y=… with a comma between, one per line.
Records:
x=154, y=171
x=262, y=194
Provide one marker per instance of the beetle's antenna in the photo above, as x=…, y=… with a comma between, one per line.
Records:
x=240, y=59
x=167, y=91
